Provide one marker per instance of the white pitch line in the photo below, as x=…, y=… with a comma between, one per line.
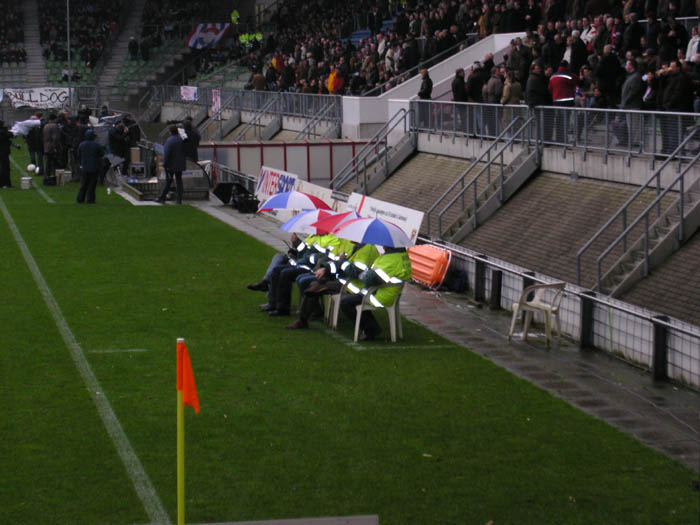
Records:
x=41, y=192
x=117, y=351
x=142, y=484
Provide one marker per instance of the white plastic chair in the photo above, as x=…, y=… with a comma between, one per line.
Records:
x=332, y=307
x=393, y=311
x=537, y=304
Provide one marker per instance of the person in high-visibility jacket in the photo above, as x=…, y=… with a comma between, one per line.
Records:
x=329, y=277
x=299, y=248
x=283, y=278
x=394, y=267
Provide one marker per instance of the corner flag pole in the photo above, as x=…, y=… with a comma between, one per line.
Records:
x=180, y=446
x=186, y=395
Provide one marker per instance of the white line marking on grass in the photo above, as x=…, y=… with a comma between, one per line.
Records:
x=142, y=484
x=117, y=351
x=41, y=192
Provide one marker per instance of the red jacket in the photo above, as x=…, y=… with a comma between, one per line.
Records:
x=562, y=86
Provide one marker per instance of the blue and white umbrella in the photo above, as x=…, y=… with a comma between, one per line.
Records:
x=293, y=200
x=373, y=231
x=304, y=222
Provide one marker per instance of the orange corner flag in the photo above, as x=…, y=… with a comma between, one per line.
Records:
x=185, y=377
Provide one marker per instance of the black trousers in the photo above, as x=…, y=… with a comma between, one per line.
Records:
x=368, y=324
x=88, y=183
x=169, y=176
x=5, y=171
x=283, y=278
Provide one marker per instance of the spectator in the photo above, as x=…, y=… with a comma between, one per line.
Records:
x=424, y=93
x=677, y=96
x=627, y=128
x=459, y=94
x=174, y=164
x=693, y=45
x=5, y=144
x=90, y=154
x=133, y=48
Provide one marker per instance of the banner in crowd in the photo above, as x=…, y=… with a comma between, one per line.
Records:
x=188, y=92
x=206, y=35
x=408, y=219
x=39, y=98
x=216, y=103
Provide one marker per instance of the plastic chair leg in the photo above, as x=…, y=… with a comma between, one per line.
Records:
x=392, y=323
x=335, y=310
x=398, y=321
x=357, y=322
x=516, y=311
x=556, y=318
x=547, y=328
x=526, y=326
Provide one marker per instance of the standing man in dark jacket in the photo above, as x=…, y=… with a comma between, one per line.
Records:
x=537, y=94
x=459, y=94
x=631, y=98
x=174, y=164
x=52, y=145
x=424, y=93
x=677, y=97
x=90, y=156
x=5, y=143
x=192, y=140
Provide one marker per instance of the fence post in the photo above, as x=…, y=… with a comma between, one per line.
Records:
x=660, y=358
x=480, y=279
x=496, y=285
x=586, y=336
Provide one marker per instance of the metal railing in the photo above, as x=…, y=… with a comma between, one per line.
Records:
x=622, y=213
x=375, y=150
x=626, y=132
x=460, y=180
x=256, y=121
x=646, y=216
x=481, y=121
x=602, y=322
x=522, y=135
x=310, y=129
x=216, y=119
x=470, y=39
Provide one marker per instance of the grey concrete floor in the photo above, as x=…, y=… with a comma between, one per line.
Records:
x=663, y=416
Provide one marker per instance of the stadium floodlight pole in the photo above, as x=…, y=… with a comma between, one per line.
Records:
x=70, y=67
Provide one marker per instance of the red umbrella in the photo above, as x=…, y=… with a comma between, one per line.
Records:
x=327, y=224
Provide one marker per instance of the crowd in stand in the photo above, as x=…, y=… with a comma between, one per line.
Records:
x=593, y=42
x=11, y=34
x=174, y=18
x=92, y=23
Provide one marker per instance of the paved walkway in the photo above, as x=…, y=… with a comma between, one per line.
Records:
x=662, y=416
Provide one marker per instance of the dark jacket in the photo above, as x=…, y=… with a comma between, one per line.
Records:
x=632, y=91
x=192, y=143
x=678, y=93
x=5, y=141
x=426, y=88
x=90, y=153
x=174, y=154
x=459, y=89
x=537, y=90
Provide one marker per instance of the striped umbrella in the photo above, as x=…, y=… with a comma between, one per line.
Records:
x=373, y=231
x=305, y=221
x=328, y=224
x=293, y=200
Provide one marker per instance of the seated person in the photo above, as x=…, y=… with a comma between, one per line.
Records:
x=329, y=278
x=392, y=267
x=283, y=277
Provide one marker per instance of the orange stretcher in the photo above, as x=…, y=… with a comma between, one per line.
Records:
x=429, y=264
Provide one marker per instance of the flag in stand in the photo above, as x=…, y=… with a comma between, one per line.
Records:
x=185, y=377
x=189, y=93
x=205, y=35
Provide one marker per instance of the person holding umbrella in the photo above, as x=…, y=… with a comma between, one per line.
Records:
x=393, y=267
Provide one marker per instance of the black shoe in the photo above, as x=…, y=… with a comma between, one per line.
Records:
x=266, y=307
x=278, y=313
x=262, y=286
x=297, y=325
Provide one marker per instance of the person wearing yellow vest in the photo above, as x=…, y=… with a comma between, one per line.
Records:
x=329, y=277
x=394, y=267
x=298, y=249
x=283, y=278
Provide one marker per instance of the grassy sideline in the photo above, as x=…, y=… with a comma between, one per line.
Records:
x=292, y=424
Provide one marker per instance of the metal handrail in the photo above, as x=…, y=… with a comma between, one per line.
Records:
x=486, y=168
x=461, y=178
x=350, y=169
x=656, y=176
x=311, y=125
x=656, y=203
x=410, y=73
x=257, y=117
x=216, y=117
